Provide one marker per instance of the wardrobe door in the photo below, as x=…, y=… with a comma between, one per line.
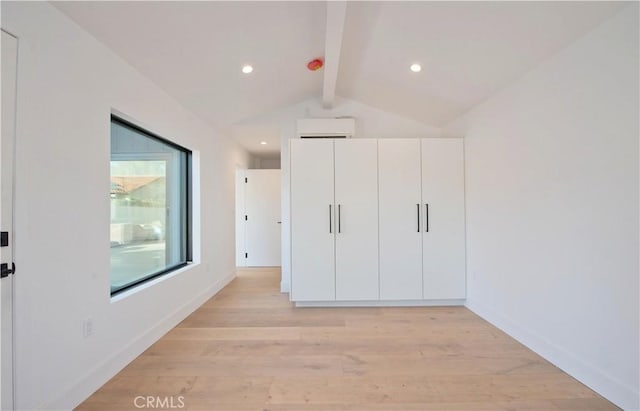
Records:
x=444, y=227
x=312, y=220
x=356, y=193
x=400, y=219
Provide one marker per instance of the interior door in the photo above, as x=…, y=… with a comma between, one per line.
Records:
x=444, y=227
x=399, y=178
x=356, y=192
x=9, y=61
x=262, y=218
x=312, y=220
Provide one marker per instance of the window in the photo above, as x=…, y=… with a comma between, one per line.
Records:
x=150, y=210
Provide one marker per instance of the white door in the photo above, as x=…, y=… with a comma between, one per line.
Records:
x=9, y=61
x=400, y=226
x=262, y=218
x=443, y=208
x=356, y=192
x=312, y=220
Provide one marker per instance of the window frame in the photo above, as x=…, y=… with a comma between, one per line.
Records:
x=188, y=180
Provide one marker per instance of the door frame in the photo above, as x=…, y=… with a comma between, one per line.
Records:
x=7, y=201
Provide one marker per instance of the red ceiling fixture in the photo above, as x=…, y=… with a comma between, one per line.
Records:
x=315, y=64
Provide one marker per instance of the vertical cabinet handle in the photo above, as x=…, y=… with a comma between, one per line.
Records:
x=330, y=223
x=339, y=220
x=418, y=217
x=426, y=217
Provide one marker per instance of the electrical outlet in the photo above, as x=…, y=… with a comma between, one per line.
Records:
x=87, y=327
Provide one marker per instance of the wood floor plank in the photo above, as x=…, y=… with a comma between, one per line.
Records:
x=438, y=389
x=249, y=349
x=250, y=366
x=234, y=333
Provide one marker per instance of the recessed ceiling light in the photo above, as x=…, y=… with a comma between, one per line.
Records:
x=247, y=69
x=415, y=67
x=264, y=143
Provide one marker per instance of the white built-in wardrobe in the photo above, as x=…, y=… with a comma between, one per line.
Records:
x=377, y=221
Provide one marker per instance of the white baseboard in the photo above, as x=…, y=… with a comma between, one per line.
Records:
x=108, y=368
x=285, y=288
x=622, y=395
x=398, y=303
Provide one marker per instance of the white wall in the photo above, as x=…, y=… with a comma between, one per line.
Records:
x=370, y=123
x=265, y=163
x=239, y=217
x=552, y=209
x=68, y=83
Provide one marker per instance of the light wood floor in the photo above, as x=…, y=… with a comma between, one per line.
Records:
x=249, y=349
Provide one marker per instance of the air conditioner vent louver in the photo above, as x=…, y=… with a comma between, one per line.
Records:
x=330, y=136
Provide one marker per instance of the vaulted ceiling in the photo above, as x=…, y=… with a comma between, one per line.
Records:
x=468, y=50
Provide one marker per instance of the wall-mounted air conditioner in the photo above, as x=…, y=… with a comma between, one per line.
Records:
x=326, y=128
